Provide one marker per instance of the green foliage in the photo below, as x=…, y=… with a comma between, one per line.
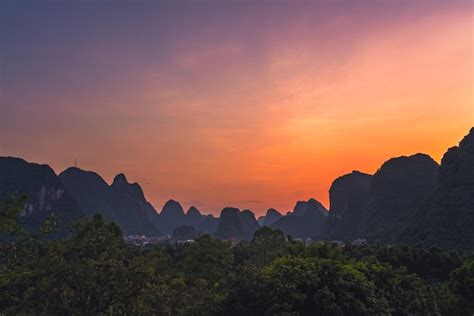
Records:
x=266, y=245
x=431, y=264
x=207, y=258
x=400, y=293
x=461, y=283
x=308, y=286
x=94, y=272
x=10, y=210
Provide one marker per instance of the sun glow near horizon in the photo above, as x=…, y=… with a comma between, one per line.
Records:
x=256, y=114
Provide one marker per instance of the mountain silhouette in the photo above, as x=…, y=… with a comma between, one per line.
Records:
x=308, y=220
x=193, y=217
x=410, y=199
x=236, y=225
x=171, y=216
x=122, y=202
x=348, y=198
x=397, y=190
x=447, y=217
x=271, y=216
x=208, y=225
x=249, y=224
x=43, y=188
x=229, y=225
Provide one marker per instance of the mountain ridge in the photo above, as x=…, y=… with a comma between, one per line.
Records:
x=409, y=198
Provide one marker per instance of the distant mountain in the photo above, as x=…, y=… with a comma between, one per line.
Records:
x=122, y=202
x=397, y=190
x=236, y=225
x=271, y=216
x=92, y=191
x=171, y=216
x=139, y=213
x=44, y=189
x=193, y=217
x=208, y=225
x=308, y=220
x=408, y=200
x=348, y=197
x=229, y=225
x=249, y=224
x=184, y=233
x=447, y=217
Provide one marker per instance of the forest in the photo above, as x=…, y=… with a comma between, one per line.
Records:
x=92, y=271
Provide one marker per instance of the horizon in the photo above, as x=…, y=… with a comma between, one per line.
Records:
x=255, y=106
x=216, y=212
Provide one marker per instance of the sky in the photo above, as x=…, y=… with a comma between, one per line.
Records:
x=249, y=104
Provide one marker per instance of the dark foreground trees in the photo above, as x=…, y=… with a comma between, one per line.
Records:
x=93, y=272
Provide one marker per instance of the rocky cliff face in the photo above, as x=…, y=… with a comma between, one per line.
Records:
x=45, y=191
x=308, y=220
x=397, y=190
x=122, y=202
x=447, y=217
x=348, y=197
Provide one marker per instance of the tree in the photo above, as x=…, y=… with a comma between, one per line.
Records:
x=461, y=283
x=92, y=273
x=18, y=249
x=266, y=245
x=400, y=293
x=207, y=265
x=316, y=287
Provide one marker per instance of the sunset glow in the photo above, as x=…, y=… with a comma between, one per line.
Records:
x=232, y=105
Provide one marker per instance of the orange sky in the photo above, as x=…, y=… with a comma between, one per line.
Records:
x=225, y=118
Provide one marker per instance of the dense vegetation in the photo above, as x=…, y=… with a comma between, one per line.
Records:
x=93, y=271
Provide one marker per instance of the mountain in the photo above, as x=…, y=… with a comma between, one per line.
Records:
x=136, y=210
x=229, y=225
x=249, y=224
x=92, y=192
x=410, y=199
x=184, y=233
x=271, y=216
x=447, y=218
x=122, y=202
x=348, y=197
x=308, y=220
x=397, y=190
x=44, y=189
x=208, y=225
x=171, y=216
x=236, y=225
x=193, y=217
